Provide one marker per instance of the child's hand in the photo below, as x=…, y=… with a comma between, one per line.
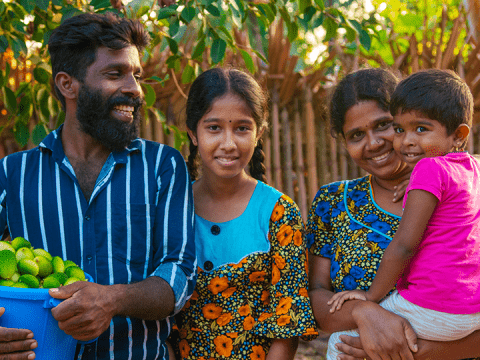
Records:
x=339, y=298
x=400, y=190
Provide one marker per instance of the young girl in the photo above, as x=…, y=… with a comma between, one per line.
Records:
x=435, y=253
x=251, y=299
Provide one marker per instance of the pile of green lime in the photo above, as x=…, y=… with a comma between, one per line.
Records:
x=22, y=266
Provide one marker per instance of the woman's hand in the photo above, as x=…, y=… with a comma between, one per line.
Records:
x=384, y=335
x=339, y=298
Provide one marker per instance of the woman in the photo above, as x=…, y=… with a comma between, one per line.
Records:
x=351, y=223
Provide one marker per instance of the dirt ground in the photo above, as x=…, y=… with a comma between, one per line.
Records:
x=313, y=350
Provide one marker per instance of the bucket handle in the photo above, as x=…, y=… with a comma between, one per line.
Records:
x=51, y=303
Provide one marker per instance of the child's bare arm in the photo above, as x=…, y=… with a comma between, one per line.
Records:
x=418, y=210
x=339, y=298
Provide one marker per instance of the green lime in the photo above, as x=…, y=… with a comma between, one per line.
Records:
x=71, y=280
x=24, y=253
x=69, y=263
x=8, y=264
x=5, y=245
x=27, y=266
x=20, y=242
x=15, y=276
x=58, y=265
x=45, y=267
x=20, y=285
x=61, y=277
x=41, y=252
x=30, y=280
x=50, y=282
x=75, y=271
x=4, y=282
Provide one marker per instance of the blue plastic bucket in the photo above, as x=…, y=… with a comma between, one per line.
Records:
x=31, y=309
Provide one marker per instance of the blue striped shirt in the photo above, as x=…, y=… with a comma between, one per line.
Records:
x=137, y=223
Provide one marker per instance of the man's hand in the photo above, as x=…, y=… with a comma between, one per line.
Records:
x=16, y=344
x=339, y=298
x=87, y=311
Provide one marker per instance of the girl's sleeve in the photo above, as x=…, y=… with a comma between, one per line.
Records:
x=289, y=313
x=327, y=204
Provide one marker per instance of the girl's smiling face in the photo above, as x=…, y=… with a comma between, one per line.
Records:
x=226, y=137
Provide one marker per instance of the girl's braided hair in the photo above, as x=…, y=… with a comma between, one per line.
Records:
x=215, y=83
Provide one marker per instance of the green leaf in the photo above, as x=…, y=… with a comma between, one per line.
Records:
x=217, y=51
x=303, y=4
x=9, y=100
x=173, y=45
x=284, y=14
x=292, y=31
x=213, y=9
x=38, y=134
x=224, y=30
x=166, y=12
x=18, y=47
x=41, y=75
x=309, y=12
x=318, y=21
x=188, y=14
x=355, y=25
x=173, y=29
x=100, y=4
x=43, y=4
x=3, y=43
x=331, y=27
x=188, y=74
x=150, y=95
x=320, y=4
x=240, y=8
x=24, y=108
x=365, y=40
x=248, y=61
x=236, y=17
x=199, y=49
x=21, y=134
x=267, y=12
x=261, y=56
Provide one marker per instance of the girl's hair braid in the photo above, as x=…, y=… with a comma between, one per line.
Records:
x=257, y=167
x=192, y=160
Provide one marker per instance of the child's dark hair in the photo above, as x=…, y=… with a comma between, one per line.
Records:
x=73, y=45
x=215, y=83
x=362, y=85
x=440, y=95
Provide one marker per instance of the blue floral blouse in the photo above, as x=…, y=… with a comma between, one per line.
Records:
x=348, y=227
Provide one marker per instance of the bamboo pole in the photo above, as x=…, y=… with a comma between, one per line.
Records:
x=343, y=163
x=322, y=142
x=268, y=159
x=299, y=165
x=311, y=146
x=287, y=151
x=276, y=169
x=333, y=155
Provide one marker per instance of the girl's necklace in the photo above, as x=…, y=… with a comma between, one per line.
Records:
x=383, y=187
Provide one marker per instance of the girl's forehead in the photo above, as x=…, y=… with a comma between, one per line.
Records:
x=229, y=107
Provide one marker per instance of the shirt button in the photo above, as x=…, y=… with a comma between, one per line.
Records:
x=87, y=217
x=208, y=265
x=215, y=230
x=89, y=257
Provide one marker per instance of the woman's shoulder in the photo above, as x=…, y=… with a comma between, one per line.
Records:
x=336, y=189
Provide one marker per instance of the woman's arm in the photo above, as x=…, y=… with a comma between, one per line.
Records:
x=382, y=331
x=352, y=348
x=283, y=349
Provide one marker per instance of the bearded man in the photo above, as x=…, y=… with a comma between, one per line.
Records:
x=92, y=192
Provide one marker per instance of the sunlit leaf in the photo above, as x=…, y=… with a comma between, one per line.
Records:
x=41, y=75
x=217, y=52
x=99, y=4
x=331, y=27
x=188, y=74
x=199, y=49
x=248, y=61
x=9, y=100
x=320, y=4
x=166, y=12
x=150, y=95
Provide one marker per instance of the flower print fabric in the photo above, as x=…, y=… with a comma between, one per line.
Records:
x=353, y=234
x=238, y=309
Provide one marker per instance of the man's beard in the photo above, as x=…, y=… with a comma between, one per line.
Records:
x=94, y=115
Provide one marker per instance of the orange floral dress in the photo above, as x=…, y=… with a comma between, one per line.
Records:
x=239, y=308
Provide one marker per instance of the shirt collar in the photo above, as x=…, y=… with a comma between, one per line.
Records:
x=53, y=143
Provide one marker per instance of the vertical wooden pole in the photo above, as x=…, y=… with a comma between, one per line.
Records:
x=333, y=154
x=287, y=151
x=322, y=144
x=311, y=146
x=267, y=148
x=343, y=163
x=277, y=171
x=300, y=166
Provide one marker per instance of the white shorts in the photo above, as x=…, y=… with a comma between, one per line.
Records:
x=428, y=324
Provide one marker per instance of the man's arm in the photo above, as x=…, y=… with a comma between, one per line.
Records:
x=89, y=308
